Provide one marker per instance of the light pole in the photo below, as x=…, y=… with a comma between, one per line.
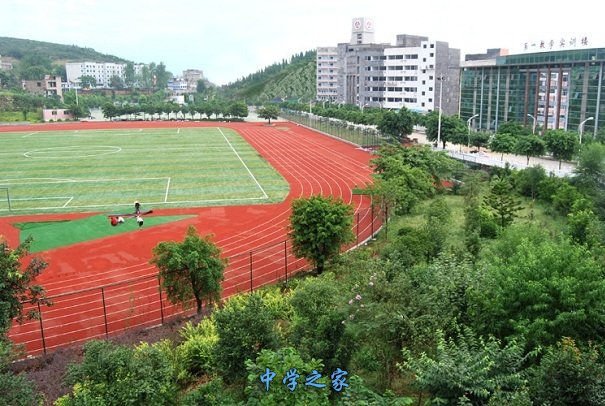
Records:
x=581, y=127
x=533, y=128
x=468, y=124
x=440, y=78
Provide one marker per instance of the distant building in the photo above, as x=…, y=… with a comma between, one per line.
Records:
x=559, y=89
x=56, y=115
x=178, y=85
x=411, y=73
x=191, y=76
x=5, y=65
x=49, y=86
x=101, y=71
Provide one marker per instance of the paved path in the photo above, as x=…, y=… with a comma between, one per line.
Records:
x=487, y=157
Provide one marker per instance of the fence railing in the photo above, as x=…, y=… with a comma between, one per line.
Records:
x=358, y=134
x=104, y=311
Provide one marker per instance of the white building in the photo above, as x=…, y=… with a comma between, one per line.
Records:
x=389, y=76
x=101, y=71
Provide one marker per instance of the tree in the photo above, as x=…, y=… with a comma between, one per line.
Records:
x=16, y=286
x=191, y=269
x=238, y=109
x=590, y=172
x=245, y=326
x=319, y=227
x=480, y=139
x=501, y=200
x=116, y=82
x=268, y=112
x=88, y=82
x=397, y=125
x=15, y=390
x=469, y=370
x=529, y=145
x=129, y=75
x=200, y=86
x=538, y=288
x=452, y=128
x=513, y=128
x=563, y=145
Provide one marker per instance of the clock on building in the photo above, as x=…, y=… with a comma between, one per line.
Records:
x=356, y=24
x=369, y=25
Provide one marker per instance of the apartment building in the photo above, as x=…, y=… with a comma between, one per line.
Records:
x=49, y=86
x=101, y=71
x=416, y=72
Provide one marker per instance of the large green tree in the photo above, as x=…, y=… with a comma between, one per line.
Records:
x=268, y=112
x=504, y=143
x=563, y=145
x=539, y=288
x=87, y=82
x=453, y=129
x=190, y=270
x=319, y=226
x=501, y=200
x=529, y=145
x=397, y=125
x=17, y=285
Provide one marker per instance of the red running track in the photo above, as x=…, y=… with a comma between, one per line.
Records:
x=116, y=288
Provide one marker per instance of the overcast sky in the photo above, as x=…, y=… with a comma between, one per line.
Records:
x=229, y=39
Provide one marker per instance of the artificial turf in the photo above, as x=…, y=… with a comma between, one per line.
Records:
x=53, y=234
x=102, y=170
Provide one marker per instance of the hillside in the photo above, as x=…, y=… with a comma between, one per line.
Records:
x=17, y=48
x=292, y=79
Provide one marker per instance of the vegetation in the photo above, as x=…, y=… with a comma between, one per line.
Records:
x=319, y=228
x=190, y=270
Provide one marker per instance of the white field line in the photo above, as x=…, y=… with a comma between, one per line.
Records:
x=178, y=131
x=69, y=201
x=25, y=199
x=27, y=135
x=167, y=188
x=245, y=166
x=92, y=206
x=9, y=182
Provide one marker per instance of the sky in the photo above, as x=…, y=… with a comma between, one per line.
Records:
x=229, y=39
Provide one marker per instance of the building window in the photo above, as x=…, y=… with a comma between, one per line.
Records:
x=430, y=100
x=432, y=55
x=432, y=45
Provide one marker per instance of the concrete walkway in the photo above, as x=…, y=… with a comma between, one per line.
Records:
x=487, y=157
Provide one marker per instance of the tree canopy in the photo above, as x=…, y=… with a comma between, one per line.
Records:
x=190, y=270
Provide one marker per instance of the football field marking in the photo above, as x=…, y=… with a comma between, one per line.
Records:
x=167, y=188
x=265, y=196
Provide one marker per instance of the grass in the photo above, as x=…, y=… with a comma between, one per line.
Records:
x=103, y=170
x=53, y=234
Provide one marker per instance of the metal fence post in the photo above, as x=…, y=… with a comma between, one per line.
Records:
x=104, y=312
x=357, y=228
x=372, y=208
x=250, y=271
x=161, y=303
x=41, y=328
x=286, y=258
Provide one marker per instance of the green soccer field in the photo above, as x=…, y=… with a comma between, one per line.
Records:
x=105, y=170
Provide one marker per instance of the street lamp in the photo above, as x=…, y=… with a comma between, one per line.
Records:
x=440, y=78
x=533, y=128
x=468, y=124
x=581, y=127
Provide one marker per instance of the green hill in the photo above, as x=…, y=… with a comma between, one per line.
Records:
x=18, y=48
x=291, y=79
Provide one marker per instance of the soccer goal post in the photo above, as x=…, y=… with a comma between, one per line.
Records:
x=4, y=191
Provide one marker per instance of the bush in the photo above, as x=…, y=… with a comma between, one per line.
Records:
x=198, y=348
x=209, y=394
x=244, y=326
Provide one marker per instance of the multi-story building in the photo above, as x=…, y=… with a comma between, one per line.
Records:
x=550, y=89
x=101, y=71
x=191, y=76
x=49, y=86
x=416, y=72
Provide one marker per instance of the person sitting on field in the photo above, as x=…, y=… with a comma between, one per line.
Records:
x=140, y=221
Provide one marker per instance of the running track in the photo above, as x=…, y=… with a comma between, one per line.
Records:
x=310, y=162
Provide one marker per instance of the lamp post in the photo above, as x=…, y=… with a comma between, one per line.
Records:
x=440, y=78
x=468, y=124
x=533, y=128
x=581, y=127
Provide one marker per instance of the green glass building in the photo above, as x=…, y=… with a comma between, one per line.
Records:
x=558, y=89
